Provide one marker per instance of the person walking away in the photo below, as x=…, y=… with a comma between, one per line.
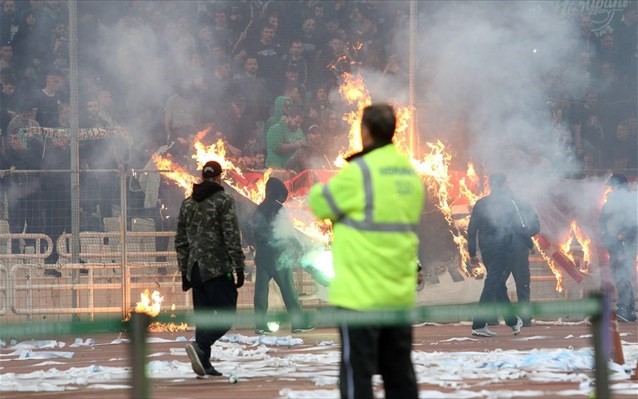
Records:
x=275, y=258
x=619, y=233
x=375, y=205
x=496, y=222
x=208, y=246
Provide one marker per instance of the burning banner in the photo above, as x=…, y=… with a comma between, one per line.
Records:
x=452, y=194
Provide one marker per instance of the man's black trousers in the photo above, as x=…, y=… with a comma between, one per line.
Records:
x=377, y=350
x=216, y=294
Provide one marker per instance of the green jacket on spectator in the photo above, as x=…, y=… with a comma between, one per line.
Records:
x=278, y=135
x=281, y=102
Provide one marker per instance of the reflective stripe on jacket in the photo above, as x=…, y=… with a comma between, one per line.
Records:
x=375, y=204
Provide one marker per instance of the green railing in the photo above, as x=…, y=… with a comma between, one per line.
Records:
x=595, y=306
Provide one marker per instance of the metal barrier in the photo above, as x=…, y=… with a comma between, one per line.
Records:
x=597, y=306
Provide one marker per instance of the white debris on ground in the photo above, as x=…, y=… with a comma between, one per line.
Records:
x=465, y=374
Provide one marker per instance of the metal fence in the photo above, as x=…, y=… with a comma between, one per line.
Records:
x=126, y=245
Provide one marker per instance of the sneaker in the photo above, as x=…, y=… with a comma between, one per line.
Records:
x=516, y=328
x=302, y=329
x=263, y=331
x=483, y=332
x=52, y=273
x=194, y=357
x=212, y=372
x=626, y=317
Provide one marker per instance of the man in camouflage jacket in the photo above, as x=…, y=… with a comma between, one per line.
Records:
x=208, y=245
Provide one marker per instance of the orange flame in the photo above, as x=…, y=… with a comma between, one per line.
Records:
x=149, y=303
x=578, y=240
x=551, y=264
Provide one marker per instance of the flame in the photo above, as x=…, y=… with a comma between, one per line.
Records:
x=551, y=264
x=145, y=305
x=175, y=173
x=216, y=152
x=167, y=327
x=578, y=240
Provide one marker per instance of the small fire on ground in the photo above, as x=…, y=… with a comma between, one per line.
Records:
x=151, y=303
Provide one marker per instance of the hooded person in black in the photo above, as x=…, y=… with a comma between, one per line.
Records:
x=275, y=248
x=208, y=246
x=504, y=226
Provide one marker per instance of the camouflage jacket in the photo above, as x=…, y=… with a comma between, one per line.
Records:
x=208, y=233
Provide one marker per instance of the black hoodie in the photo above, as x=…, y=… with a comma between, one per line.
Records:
x=267, y=249
x=205, y=189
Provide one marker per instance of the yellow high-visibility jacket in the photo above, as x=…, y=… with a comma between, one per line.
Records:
x=375, y=204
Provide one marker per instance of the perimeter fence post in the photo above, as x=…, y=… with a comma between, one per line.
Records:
x=138, y=329
x=600, y=327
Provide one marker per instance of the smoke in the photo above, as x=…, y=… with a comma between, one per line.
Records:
x=487, y=73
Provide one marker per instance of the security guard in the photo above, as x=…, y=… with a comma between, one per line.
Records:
x=375, y=205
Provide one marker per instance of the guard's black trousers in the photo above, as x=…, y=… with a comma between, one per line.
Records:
x=216, y=294
x=377, y=350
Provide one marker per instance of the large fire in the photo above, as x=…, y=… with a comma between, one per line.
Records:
x=433, y=167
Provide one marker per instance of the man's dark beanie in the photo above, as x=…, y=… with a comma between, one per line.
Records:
x=211, y=169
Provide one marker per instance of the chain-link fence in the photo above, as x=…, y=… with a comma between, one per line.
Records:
x=127, y=222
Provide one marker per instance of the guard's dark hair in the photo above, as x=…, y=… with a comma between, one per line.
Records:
x=380, y=121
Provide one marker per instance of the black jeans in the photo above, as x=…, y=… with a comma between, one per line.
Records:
x=498, y=265
x=521, y=274
x=285, y=281
x=216, y=294
x=377, y=350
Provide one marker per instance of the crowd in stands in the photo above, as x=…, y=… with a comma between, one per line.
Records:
x=257, y=74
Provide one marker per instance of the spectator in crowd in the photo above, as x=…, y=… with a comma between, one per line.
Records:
x=24, y=190
x=277, y=250
x=607, y=51
x=310, y=39
x=589, y=135
x=321, y=101
x=47, y=100
x=334, y=62
x=626, y=42
x=29, y=46
x=56, y=155
x=8, y=105
x=622, y=150
x=9, y=21
x=281, y=108
x=284, y=138
x=619, y=232
x=295, y=60
x=6, y=56
x=221, y=31
x=182, y=113
x=268, y=54
x=220, y=86
x=253, y=89
x=106, y=113
x=233, y=122
x=310, y=155
x=90, y=116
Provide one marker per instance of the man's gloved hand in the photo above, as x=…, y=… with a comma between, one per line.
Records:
x=240, y=278
x=186, y=285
